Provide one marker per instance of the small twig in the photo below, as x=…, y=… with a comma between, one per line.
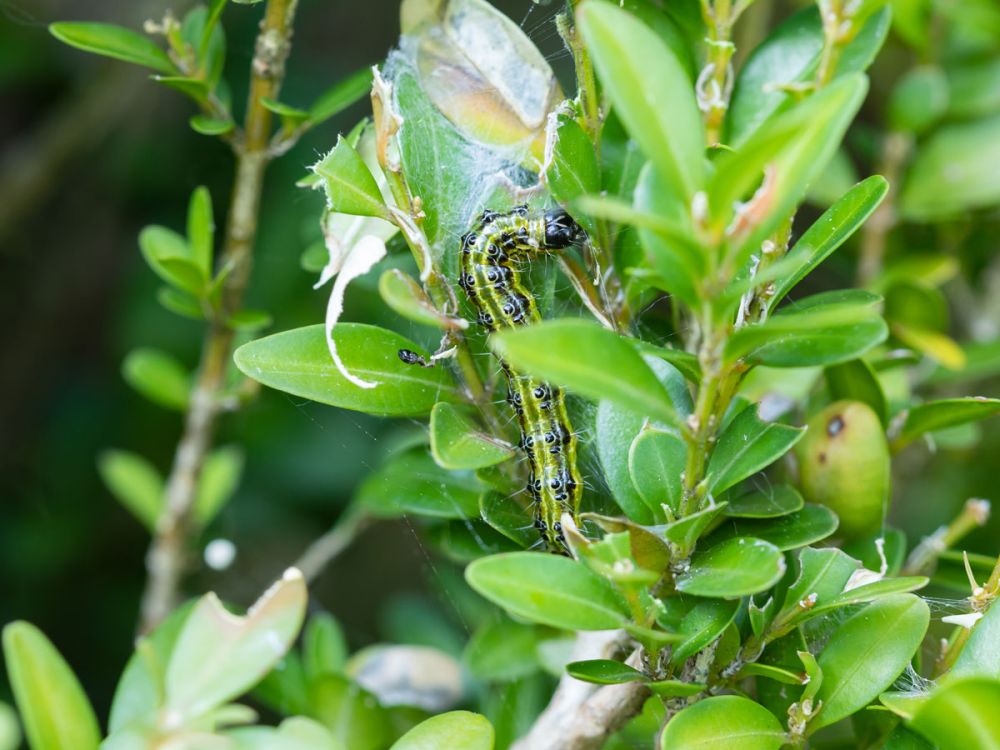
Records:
x=329, y=546
x=924, y=557
x=167, y=555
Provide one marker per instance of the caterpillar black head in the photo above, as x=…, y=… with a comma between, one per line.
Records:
x=561, y=231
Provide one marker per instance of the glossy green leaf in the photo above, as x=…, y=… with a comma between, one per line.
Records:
x=902, y=738
x=940, y=415
x=220, y=476
x=135, y=483
x=206, y=125
x=218, y=656
x=823, y=573
x=113, y=41
x=548, y=589
x=855, y=380
x=656, y=461
x=953, y=172
x=298, y=362
x=324, y=646
x=872, y=591
x=456, y=730
x=191, y=86
x=792, y=148
x=745, y=447
x=962, y=715
x=502, y=513
x=411, y=482
x=824, y=329
x=201, y=229
x=10, y=729
x=790, y=55
x=837, y=224
x=551, y=351
x=169, y=255
x=806, y=526
x=659, y=111
x=53, y=707
x=502, y=650
x=604, y=672
x=158, y=376
x=250, y=320
x=180, y=303
x=573, y=170
x=458, y=443
x=290, y=115
x=616, y=429
x=723, y=722
x=685, y=532
x=867, y=653
x=340, y=96
x=404, y=295
x=980, y=656
x=350, y=186
x=771, y=502
x=701, y=625
x=733, y=568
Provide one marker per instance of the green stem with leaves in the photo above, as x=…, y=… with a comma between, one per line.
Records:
x=168, y=552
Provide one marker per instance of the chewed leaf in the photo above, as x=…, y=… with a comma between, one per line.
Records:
x=219, y=655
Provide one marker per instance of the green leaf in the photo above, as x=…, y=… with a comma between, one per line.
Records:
x=249, y=320
x=974, y=88
x=918, y=100
x=113, y=41
x=324, y=646
x=411, y=482
x=792, y=149
x=458, y=443
x=961, y=715
x=830, y=231
x=940, y=415
x=867, y=653
x=502, y=650
x=296, y=733
x=604, y=672
x=551, y=351
x=293, y=116
x=340, y=96
x=656, y=461
x=456, y=730
x=774, y=501
x=219, y=656
x=953, y=172
x=180, y=303
x=855, y=380
x=872, y=591
x=496, y=509
x=405, y=296
x=159, y=377
x=53, y=707
x=685, y=532
x=201, y=229
x=207, y=125
x=806, y=526
x=616, y=429
x=823, y=573
x=824, y=329
x=191, y=86
x=980, y=656
x=573, y=170
x=548, y=589
x=10, y=730
x=353, y=715
x=298, y=362
x=168, y=254
x=745, y=447
x=135, y=483
x=724, y=722
x=702, y=625
x=220, y=476
x=350, y=186
x=736, y=567
x=902, y=738
x=659, y=111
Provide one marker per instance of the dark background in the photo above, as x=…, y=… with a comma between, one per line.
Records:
x=90, y=152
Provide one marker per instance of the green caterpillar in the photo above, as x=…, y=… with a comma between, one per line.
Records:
x=490, y=277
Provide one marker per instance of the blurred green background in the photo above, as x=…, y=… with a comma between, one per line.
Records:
x=90, y=152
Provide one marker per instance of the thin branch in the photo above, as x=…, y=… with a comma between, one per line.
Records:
x=329, y=546
x=167, y=555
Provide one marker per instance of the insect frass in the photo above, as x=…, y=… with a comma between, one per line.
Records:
x=490, y=277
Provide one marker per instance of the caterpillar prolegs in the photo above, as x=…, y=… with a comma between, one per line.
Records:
x=490, y=276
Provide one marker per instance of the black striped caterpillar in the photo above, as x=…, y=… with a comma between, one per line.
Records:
x=490, y=277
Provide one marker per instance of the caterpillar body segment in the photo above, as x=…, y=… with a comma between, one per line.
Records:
x=491, y=257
